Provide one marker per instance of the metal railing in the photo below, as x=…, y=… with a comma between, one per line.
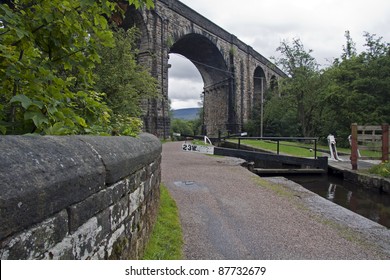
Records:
x=278, y=140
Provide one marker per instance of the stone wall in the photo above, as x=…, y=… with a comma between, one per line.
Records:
x=367, y=181
x=77, y=197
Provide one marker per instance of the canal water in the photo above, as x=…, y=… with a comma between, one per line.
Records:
x=368, y=203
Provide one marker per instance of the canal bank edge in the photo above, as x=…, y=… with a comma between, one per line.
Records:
x=368, y=181
x=351, y=225
x=363, y=180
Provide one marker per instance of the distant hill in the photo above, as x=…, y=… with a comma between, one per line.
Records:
x=187, y=114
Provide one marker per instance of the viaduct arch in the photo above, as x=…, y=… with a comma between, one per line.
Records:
x=233, y=73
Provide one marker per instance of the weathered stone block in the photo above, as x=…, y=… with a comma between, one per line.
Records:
x=369, y=181
x=104, y=223
x=123, y=157
x=385, y=185
x=83, y=211
x=117, y=236
x=135, y=201
x=148, y=185
x=81, y=245
x=119, y=212
x=131, y=183
x=119, y=189
x=41, y=176
x=34, y=242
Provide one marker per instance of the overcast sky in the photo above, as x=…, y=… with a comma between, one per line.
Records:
x=263, y=24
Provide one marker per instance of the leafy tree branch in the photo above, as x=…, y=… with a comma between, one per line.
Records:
x=48, y=53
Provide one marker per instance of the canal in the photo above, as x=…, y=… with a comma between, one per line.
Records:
x=368, y=203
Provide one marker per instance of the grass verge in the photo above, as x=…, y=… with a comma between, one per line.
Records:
x=167, y=238
x=285, y=148
x=382, y=169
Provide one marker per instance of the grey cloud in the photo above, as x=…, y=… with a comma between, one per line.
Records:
x=183, y=68
x=185, y=83
x=180, y=89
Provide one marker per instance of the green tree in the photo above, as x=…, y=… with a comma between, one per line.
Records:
x=301, y=91
x=349, y=50
x=182, y=127
x=360, y=87
x=48, y=50
x=314, y=102
x=124, y=82
x=280, y=117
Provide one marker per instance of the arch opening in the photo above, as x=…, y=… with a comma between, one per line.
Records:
x=205, y=56
x=209, y=61
x=259, y=86
x=185, y=84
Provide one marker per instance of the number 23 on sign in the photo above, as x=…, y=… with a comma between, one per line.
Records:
x=189, y=148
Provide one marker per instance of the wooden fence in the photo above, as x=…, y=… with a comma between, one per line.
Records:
x=371, y=138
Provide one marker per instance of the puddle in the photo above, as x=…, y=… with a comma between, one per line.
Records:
x=190, y=185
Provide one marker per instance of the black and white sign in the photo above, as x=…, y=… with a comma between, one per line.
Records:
x=188, y=147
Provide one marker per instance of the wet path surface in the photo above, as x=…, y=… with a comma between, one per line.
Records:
x=226, y=212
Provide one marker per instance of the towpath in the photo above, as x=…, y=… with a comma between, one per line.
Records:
x=227, y=212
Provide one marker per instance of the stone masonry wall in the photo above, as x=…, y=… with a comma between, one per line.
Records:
x=77, y=197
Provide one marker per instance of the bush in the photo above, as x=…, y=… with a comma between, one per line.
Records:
x=182, y=127
x=382, y=169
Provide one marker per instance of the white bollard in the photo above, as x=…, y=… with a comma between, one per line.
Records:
x=332, y=147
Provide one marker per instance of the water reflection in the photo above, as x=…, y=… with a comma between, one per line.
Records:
x=331, y=192
x=368, y=203
x=349, y=196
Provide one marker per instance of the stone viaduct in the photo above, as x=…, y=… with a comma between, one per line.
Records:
x=234, y=74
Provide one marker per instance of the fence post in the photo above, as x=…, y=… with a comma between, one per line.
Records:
x=385, y=142
x=354, y=146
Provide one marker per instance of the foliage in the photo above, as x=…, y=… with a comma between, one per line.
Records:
x=299, y=92
x=48, y=50
x=382, y=169
x=166, y=241
x=360, y=88
x=124, y=82
x=295, y=60
x=182, y=127
x=280, y=117
x=187, y=127
x=197, y=124
x=316, y=102
x=125, y=125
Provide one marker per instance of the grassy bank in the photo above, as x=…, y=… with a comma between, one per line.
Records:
x=167, y=240
x=289, y=148
x=382, y=169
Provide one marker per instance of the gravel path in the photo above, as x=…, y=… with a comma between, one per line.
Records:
x=227, y=212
